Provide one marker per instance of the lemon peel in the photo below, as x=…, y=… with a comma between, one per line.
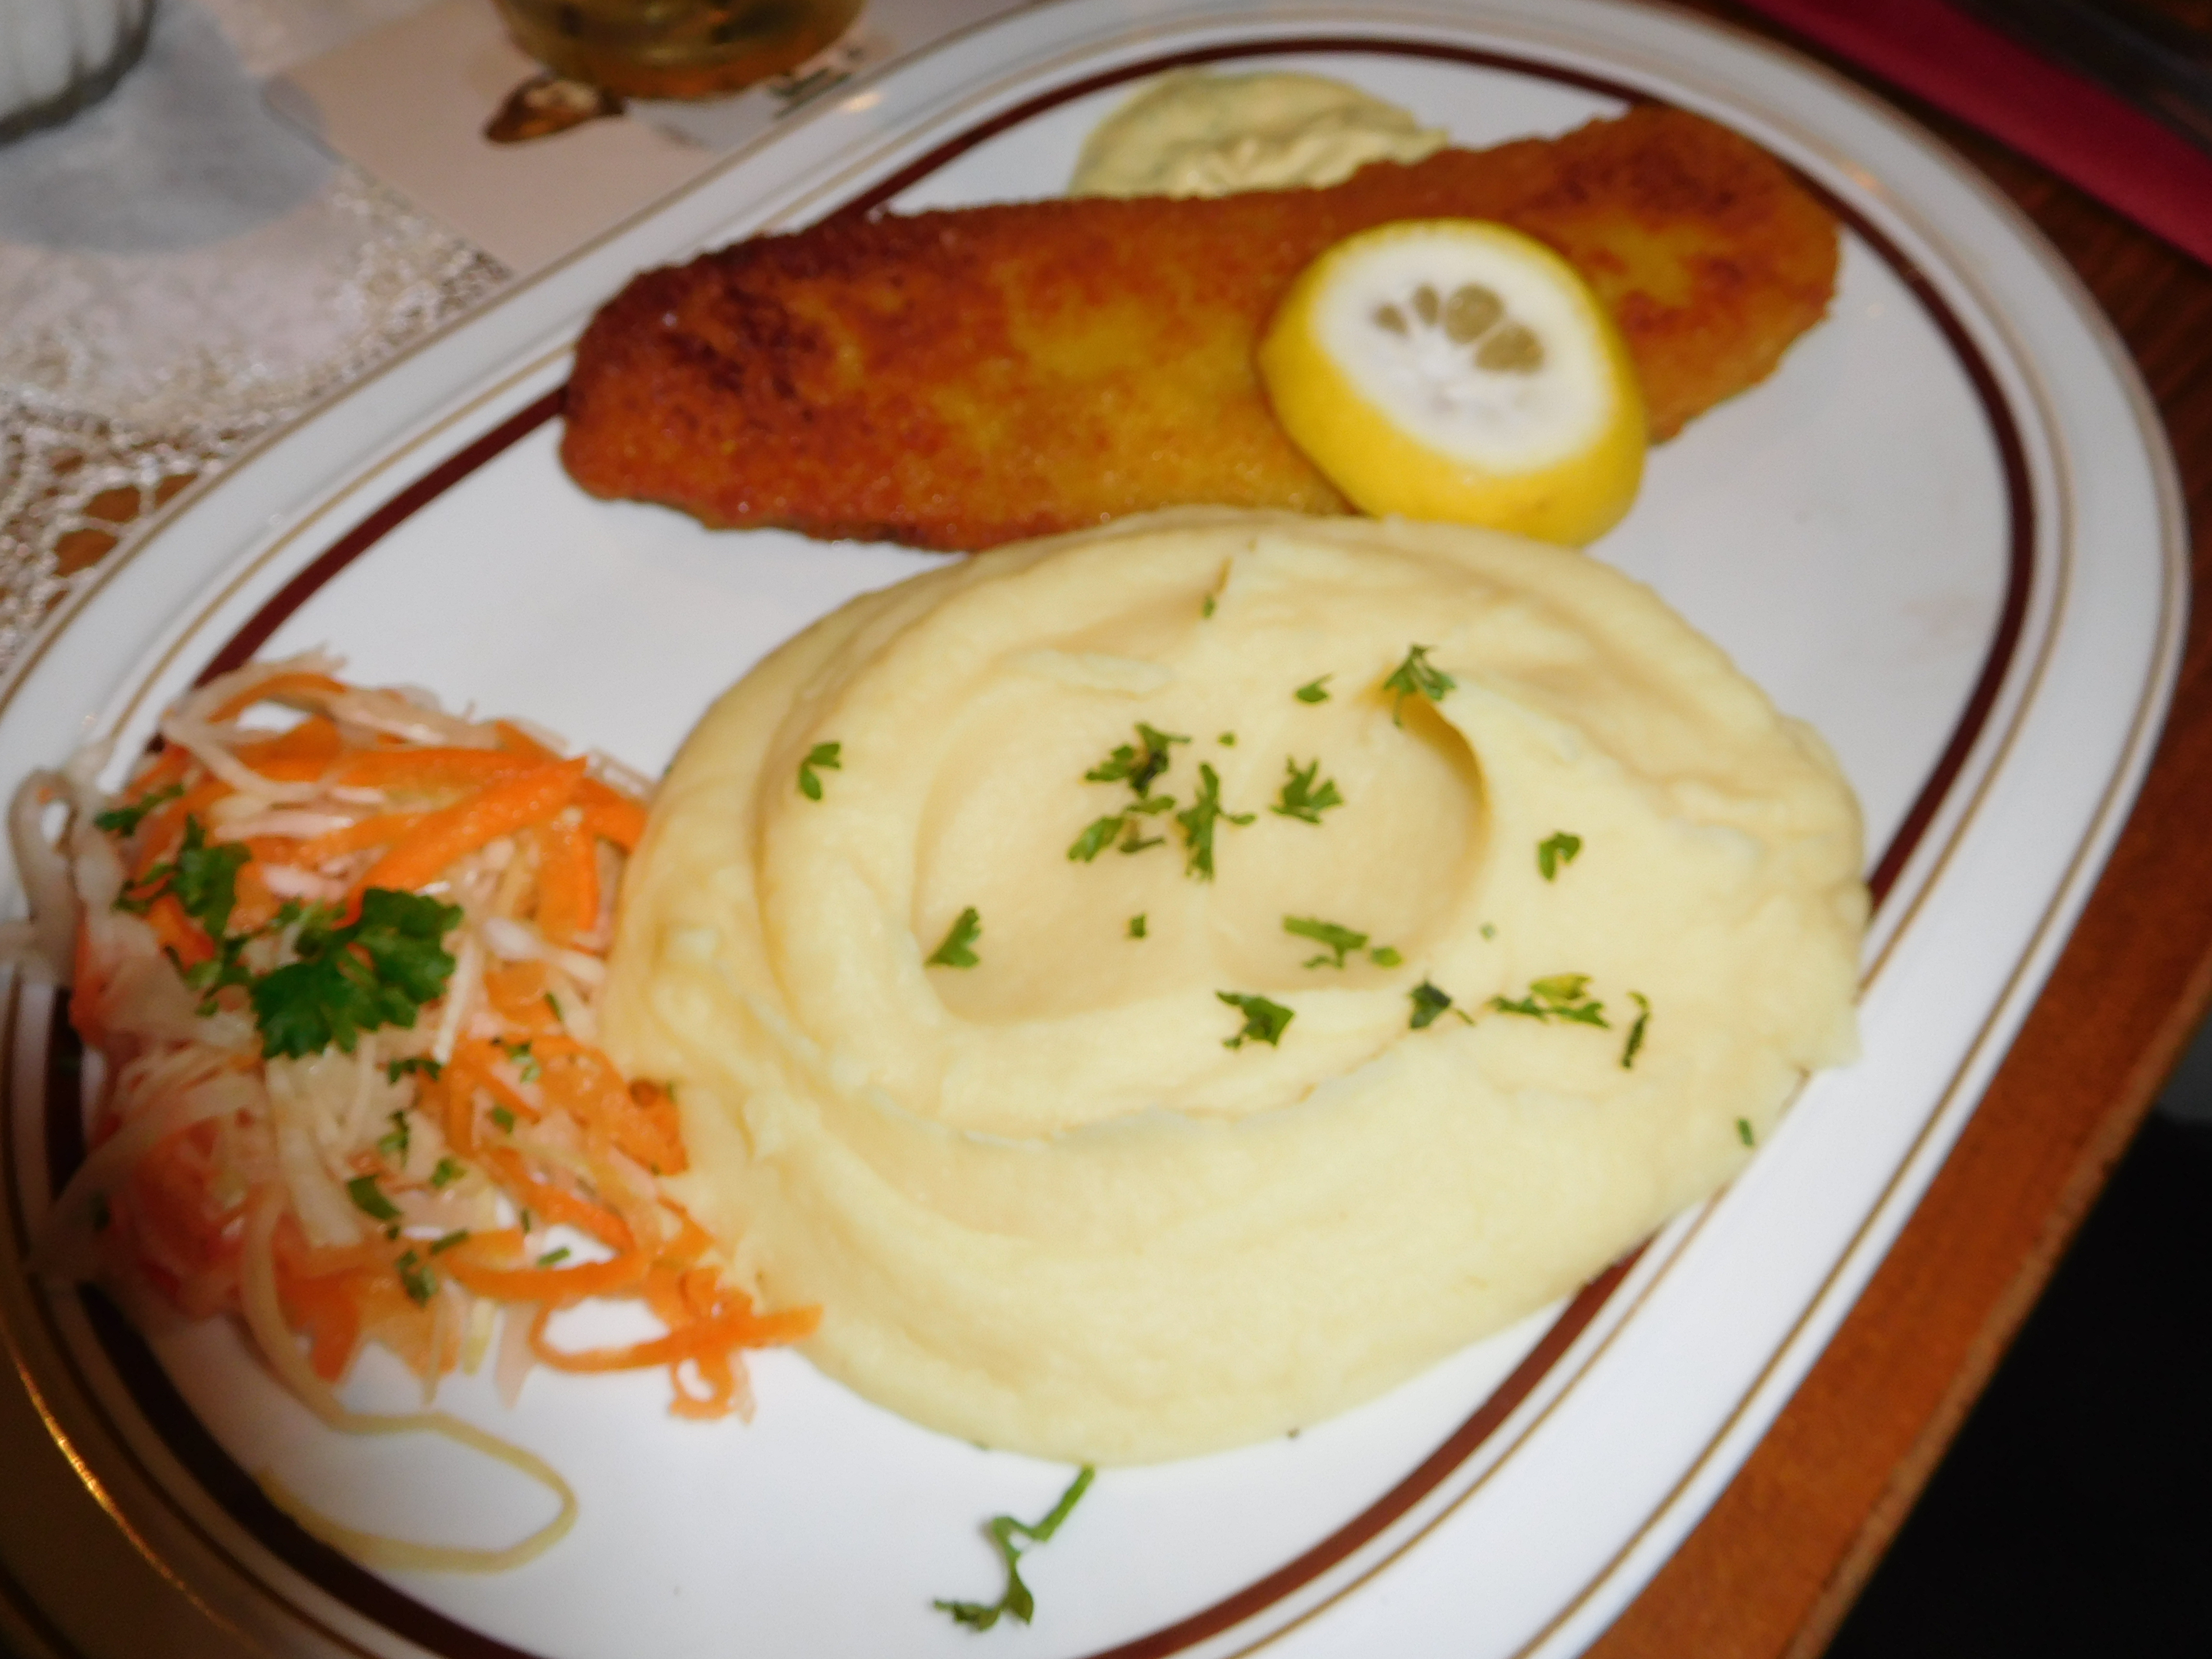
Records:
x=1456, y=369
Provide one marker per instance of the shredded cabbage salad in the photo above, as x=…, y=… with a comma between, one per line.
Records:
x=342, y=978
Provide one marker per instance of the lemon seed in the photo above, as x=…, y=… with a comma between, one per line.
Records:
x=1390, y=318
x=1511, y=349
x=1470, y=312
x=1424, y=303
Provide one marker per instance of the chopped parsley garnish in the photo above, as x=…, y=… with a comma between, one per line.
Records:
x=1096, y=837
x=1383, y=956
x=423, y=1063
x=1300, y=799
x=1264, y=1021
x=418, y=1280
x=825, y=755
x=1559, y=996
x=376, y=971
x=1134, y=839
x=1017, y=1600
x=1137, y=764
x=527, y=1066
x=452, y=1169
x=1206, y=608
x=392, y=1143
x=1743, y=1132
x=1198, y=824
x=522, y=1219
x=1100, y=834
x=1488, y=931
x=224, y=967
x=203, y=877
x=553, y=1258
x=1555, y=854
x=368, y=1198
x=1137, y=925
x=1314, y=691
x=956, y=952
x=1429, y=1002
x=504, y=1118
x=554, y=1003
x=124, y=820
x=1416, y=677
x=446, y=1241
x=1328, y=935
x=1636, y=1032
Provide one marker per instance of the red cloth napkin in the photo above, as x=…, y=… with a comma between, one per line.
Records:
x=2132, y=161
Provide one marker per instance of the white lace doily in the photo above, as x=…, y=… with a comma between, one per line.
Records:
x=180, y=272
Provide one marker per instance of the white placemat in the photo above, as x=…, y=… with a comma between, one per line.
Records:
x=180, y=271
x=282, y=194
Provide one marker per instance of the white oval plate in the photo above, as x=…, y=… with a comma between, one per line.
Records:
x=1888, y=535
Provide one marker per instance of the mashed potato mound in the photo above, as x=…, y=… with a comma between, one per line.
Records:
x=1067, y=1198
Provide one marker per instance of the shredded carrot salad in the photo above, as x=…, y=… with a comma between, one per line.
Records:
x=344, y=974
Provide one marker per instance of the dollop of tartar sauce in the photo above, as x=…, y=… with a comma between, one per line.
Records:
x=1191, y=134
x=1224, y=963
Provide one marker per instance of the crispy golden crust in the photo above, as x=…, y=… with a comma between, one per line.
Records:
x=959, y=378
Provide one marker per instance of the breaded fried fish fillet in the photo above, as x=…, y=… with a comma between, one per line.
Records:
x=959, y=378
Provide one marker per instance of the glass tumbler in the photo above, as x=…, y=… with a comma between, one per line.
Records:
x=57, y=56
x=674, y=48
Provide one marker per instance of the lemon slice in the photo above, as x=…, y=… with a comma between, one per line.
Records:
x=1450, y=368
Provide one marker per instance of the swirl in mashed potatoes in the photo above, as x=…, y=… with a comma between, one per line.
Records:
x=1154, y=1173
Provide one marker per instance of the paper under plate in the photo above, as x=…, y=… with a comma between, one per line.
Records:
x=1945, y=533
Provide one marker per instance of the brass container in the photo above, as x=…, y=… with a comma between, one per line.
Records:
x=675, y=48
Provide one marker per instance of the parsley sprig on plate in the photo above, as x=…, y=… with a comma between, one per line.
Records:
x=1199, y=822
x=958, y=950
x=1556, y=853
x=1556, y=996
x=1339, y=939
x=375, y=971
x=346, y=977
x=125, y=819
x=1017, y=1601
x=1416, y=677
x=1628, y=1050
x=1301, y=798
x=1264, y=1021
x=1139, y=765
x=824, y=756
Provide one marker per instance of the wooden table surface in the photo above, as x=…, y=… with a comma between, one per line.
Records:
x=1777, y=1563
